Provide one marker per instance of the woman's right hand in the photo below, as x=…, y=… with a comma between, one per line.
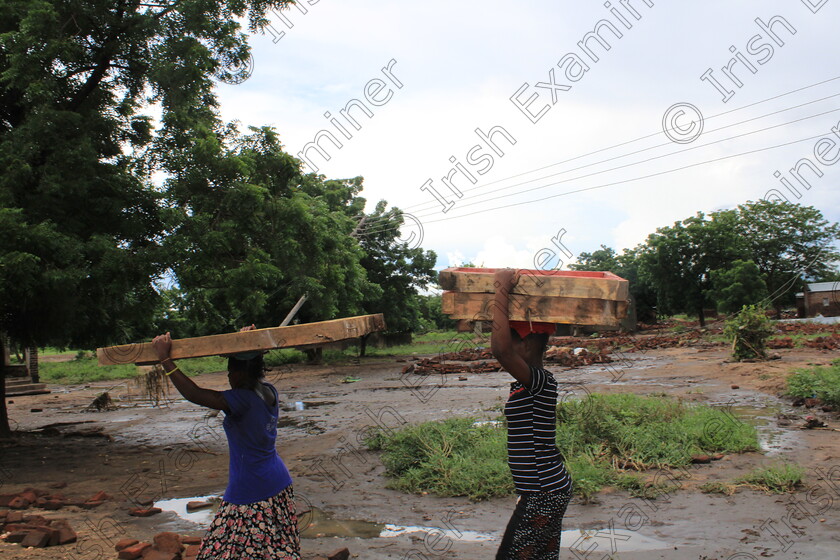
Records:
x=163, y=346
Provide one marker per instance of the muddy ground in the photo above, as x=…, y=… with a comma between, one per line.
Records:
x=138, y=453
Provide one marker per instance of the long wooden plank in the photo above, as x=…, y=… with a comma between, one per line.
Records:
x=572, y=311
x=259, y=339
x=562, y=283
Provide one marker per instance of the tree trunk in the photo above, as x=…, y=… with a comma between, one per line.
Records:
x=362, y=345
x=5, y=430
x=33, y=365
x=315, y=355
x=701, y=316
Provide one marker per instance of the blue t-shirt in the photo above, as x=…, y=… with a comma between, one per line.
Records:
x=256, y=470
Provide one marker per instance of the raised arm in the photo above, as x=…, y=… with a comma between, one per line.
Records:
x=186, y=386
x=501, y=342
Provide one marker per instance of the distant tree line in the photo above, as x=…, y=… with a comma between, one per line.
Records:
x=758, y=253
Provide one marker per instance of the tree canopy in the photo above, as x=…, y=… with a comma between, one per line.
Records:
x=758, y=253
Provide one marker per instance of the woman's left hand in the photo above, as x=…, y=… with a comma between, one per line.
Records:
x=163, y=346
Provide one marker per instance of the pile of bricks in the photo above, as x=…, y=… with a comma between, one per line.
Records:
x=35, y=497
x=469, y=355
x=830, y=342
x=432, y=365
x=164, y=546
x=34, y=530
x=567, y=357
x=806, y=328
x=775, y=344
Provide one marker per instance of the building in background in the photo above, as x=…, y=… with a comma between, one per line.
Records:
x=819, y=298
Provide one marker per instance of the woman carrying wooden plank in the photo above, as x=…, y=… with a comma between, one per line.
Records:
x=256, y=518
x=539, y=475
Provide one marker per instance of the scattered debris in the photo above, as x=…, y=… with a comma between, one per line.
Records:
x=34, y=530
x=427, y=366
x=575, y=357
x=812, y=422
x=101, y=403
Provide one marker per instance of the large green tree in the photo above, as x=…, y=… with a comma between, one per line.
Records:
x=80, y=221
x=253, y=234
x=738, y=285
x=398, y=267
x=789, y=243
x=677, y=260
x=625, y=265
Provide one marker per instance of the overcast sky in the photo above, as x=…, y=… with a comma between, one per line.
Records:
x=590, y=154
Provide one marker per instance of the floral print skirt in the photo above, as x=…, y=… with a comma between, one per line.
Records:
x=258, y=531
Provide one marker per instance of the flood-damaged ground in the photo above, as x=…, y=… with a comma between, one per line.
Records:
x=177, y=453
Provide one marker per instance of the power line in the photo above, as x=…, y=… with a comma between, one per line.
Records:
x=666, y=172
x=374, y=230
x=632, y=141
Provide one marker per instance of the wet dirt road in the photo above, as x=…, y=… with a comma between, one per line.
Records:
x=179, y=452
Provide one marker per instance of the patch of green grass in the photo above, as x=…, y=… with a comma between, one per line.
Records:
x=822, y=382
x=600, y=436
x=448, y=458
x=776, y=479
x=86, y=370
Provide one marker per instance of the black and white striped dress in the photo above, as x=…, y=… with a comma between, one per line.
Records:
x=535, y=462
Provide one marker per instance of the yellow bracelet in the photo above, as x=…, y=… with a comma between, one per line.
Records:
x=171, y=372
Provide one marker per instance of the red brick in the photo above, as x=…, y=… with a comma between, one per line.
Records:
x=191, y=552
x=340, y=554
x=66, y=535
x=144, y=512
x=36, y=520
x=29, y=495
x=5, y=499
x=37, y=539
x=15, y=536
x=168, y=542
x=19, y=503
x=53, y=504
x=89, y=504
x=133, y=552
x=14, y=517
x=125, y=543
x=100, y=496
x=185, y=539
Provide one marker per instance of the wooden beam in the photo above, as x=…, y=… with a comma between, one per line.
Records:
x=259, y=339
x=560, y=283
x=548, y=309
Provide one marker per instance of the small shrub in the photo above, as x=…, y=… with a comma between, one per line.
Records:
x=776, y=479
x=749, y=331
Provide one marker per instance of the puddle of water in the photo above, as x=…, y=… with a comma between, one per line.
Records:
x=305, y=405
x=317, y=523
x=773, y=439
x=200, y=517
x=623, y=541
